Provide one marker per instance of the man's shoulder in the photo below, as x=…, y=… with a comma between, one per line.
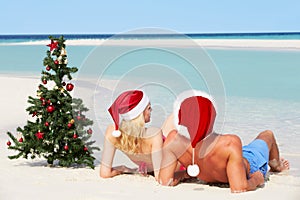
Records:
x=229, y=143
x=230, y=138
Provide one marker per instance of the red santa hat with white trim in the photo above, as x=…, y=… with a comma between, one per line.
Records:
x=195, y=112
x=128, y=105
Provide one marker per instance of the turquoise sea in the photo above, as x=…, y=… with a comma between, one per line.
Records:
x=245, y=72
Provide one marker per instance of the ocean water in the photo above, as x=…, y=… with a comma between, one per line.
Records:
x=259, y=87
x=158, y=34
x=245, y=72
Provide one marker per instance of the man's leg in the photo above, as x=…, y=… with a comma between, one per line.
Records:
x=276, y=163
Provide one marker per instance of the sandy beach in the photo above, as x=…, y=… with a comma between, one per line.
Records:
x=32, y=179
x=187, y=42
x=245, y=55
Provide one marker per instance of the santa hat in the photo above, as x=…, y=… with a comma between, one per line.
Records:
x=195, y=111
x=128, y=105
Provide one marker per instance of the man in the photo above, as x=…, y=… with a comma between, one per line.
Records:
x=220, y=158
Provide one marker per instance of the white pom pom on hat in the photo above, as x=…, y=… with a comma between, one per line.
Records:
x=129, y=105
x=194, y=110
x=116, y=133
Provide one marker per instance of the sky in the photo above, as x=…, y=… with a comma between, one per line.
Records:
x=183, y=16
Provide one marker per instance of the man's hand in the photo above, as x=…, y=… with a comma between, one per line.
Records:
x=258, y=177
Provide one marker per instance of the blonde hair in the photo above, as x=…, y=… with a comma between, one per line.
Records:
x=131, y=135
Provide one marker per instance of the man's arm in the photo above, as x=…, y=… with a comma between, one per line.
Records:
x=256, y=179
x=236, y=169
x=173, y=148
x=156, y=152
x=167, y=170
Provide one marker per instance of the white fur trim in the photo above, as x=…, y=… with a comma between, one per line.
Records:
x=116, y=133
x=184, y=95
x=193, y=170
x=137, y=110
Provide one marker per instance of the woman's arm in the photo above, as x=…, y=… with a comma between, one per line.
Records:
x=106, y=170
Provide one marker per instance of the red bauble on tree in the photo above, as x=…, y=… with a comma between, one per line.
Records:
x=85, y=149
x=89, y=131
x=69, y=86
x=66, y=147
x=69, y=125
x=45, y=81
x=34, y=114
x=8, y=143
x=50, y=109
x=56, y=62
x=75, y=136
x=48, y=68
x=21, y=139
x=46, y=123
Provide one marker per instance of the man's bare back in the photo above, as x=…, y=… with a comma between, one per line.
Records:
x=211, y=154
x=219, y=158
x=213, y=164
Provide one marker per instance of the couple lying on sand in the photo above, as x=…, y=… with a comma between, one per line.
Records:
x=190, y=149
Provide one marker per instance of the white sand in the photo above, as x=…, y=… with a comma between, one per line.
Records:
x=208, y=43
x=31, y=179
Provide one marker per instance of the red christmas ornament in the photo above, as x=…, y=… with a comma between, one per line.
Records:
x=69, y=86
x=48, y=68
x=53, y=45
x=75, y=136
x=8, y=143
x=89, y=131
x=50, y=109
x=46, y=123
x=66, y=147
x=43, y=103
x=45, y=81
x=56, y=62
x=21, y=139
x=34, y=113
x=48, y=101
x=78, y=117
x=39, y=135
x=85, y=149
x=69, y=125
x=42, y=99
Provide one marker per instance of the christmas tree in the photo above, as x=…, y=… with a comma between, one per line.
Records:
x=60, y=131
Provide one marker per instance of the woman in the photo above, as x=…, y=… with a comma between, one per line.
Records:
x=142, y=145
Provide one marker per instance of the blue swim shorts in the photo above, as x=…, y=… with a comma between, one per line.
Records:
x=257, y=154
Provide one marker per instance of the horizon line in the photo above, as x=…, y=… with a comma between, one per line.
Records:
x=189, y=33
